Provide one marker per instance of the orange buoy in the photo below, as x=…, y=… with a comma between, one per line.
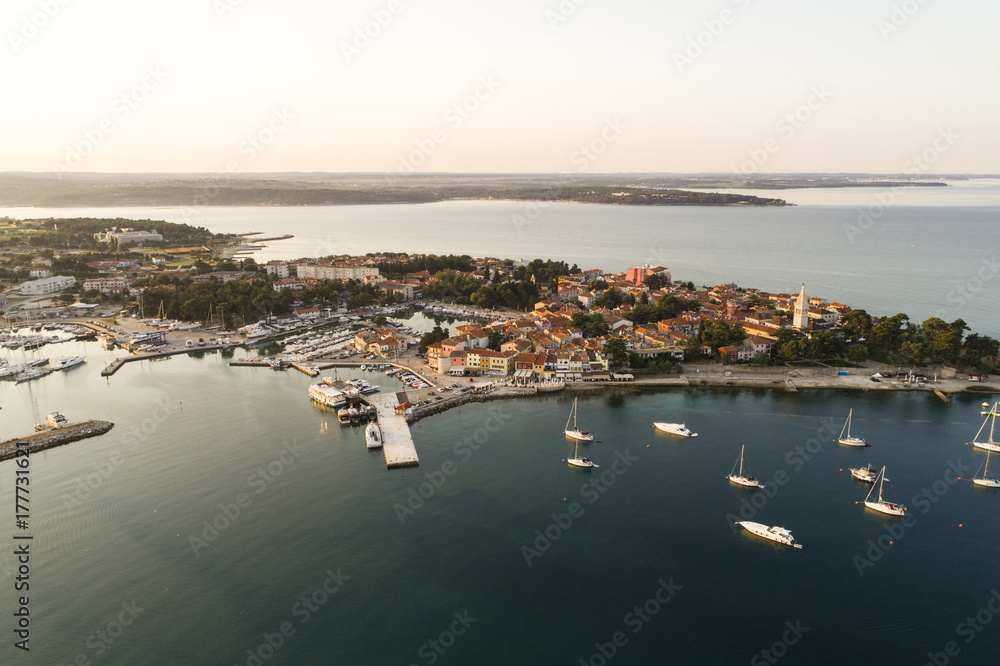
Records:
x=960, y=524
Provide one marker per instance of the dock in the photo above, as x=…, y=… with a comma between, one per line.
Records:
x=397, y=443
x=941, y=395
x=307, y=369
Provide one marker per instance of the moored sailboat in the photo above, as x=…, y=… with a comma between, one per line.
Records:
x=990, y=444
x=848, y=440
x=577, y=461
x=738, y=478
x=986, y=480
x=576, y=432
x=890, y=508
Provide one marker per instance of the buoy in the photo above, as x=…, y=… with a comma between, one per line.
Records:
x=647, y=446
x=841, y=469
x=959, y=478
x=960, y=524
x=890, y=543
x=564, y=499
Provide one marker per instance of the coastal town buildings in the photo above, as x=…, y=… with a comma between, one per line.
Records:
x=49, y=285
x=108, y=285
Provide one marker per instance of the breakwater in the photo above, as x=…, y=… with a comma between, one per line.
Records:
x=48, y=439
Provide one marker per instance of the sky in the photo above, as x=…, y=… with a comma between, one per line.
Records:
x=582, y=86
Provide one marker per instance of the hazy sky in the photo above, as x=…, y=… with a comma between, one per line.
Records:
x=500, y=85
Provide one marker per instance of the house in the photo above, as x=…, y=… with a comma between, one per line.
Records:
x=288, y=283
x=110, y=285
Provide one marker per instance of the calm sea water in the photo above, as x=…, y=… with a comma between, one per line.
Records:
x=113, y=520
x=922, y=251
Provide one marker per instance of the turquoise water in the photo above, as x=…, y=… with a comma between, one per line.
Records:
x=112, y=530
x=929, y=252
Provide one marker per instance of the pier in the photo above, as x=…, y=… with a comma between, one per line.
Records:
x=50, y=438
x=397, y=444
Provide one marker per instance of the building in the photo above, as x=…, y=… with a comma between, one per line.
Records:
x=288, y=283
x=278, y=269
x=111, y=285
x=49, y=285
x=127, y=236
x=325, y=272
x=800, y=319
x=38, y=272
x=404, y=290
x=639, y=273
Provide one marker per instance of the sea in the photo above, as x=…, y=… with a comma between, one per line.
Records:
x=227, y=520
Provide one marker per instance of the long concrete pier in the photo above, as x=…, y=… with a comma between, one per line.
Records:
x=397, y=444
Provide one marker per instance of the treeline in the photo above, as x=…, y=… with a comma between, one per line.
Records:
x=628, y=196
x=78, y=233
x=432, y=264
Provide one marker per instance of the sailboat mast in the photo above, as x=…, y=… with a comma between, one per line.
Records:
x=880, y=486
x=993, y=422
x=741, y=458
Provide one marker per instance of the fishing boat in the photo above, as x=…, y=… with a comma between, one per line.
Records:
x=772, y=533
x=343, y=416
x=577, y=461
x=738, y=478
x=866, y=474
x=373, y=436
x=845, y=434
x=890, y=508
x=987, y=480
x=990, y=444
x=675, y=429
x=576, y=433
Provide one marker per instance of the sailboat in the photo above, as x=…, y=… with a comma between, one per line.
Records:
x=986, y=479
x=881, y=505
x=576, y=433
x=748, y=481
x=577, y=461
x=848, y=440
x=989, y=445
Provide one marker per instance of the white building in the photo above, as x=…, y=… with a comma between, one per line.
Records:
x=111, y=285
x=126, y=236
x=800, y=319
x=39, y=272
x=49, y=285
x=277, y=268
x=319, y=272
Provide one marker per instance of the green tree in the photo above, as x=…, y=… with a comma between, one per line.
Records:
x=856, y=324
x=617, y=350
x=857, y=353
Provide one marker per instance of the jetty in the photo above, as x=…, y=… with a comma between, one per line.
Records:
x=397, y=443
x=47, y=439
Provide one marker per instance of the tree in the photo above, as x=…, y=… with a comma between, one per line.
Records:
x=856, y=324
x=380, y=320
x=617, y=350
x=760, y=359
x=791, y=351
x=857, y=353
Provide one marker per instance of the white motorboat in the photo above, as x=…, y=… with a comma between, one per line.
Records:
x=576, y=433
x=990, y=444
x=772, y=533
x=866, y=474
x=577, y=461
x=739, y=478
x=373, y=436
x=987, y=480
x=70, y=362
x=674, y=429
x=848, y=440
x=890, y=508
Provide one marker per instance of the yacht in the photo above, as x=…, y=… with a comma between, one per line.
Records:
x=739, y=477
x=56, y=420
x=70, y=362
x=866, y=474
x=778, y=534
x=675, y=429
x=881, y=505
